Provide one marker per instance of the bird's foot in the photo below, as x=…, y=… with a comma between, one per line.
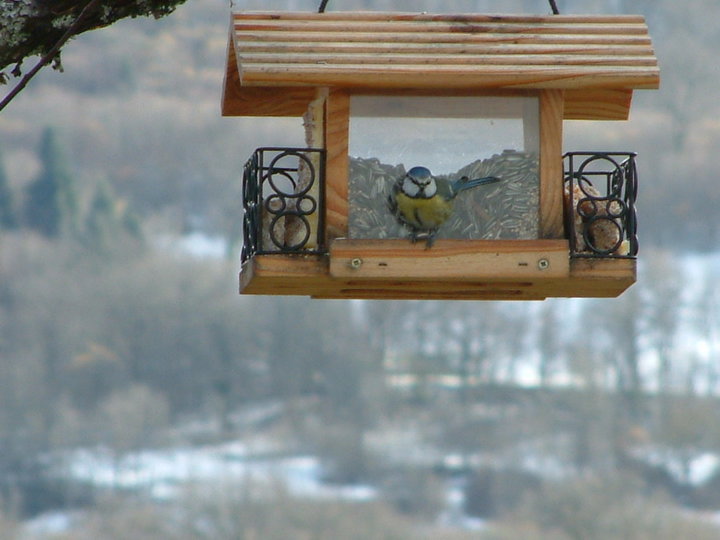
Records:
x=428, y=237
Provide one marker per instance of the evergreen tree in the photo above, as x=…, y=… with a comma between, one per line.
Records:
x=8, y=217
x=51, y=205
x=101, y=220
x=109, y=221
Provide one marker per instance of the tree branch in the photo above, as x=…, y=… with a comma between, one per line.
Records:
x=35, y=27
x=51, y=54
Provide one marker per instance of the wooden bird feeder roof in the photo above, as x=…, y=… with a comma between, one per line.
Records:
x=276, y=60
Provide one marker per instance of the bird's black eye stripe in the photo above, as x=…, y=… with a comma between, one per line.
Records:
x=414, y=181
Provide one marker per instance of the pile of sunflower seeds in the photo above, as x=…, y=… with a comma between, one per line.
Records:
x=504, y=210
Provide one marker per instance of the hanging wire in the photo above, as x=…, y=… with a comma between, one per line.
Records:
x=323, y=4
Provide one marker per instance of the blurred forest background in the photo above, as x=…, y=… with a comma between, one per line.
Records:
x=142, y=397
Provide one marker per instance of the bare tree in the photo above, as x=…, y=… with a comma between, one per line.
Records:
x=664, y=283
x=706, y=322
x=549, y=346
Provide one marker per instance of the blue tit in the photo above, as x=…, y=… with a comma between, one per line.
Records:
x=422, y=202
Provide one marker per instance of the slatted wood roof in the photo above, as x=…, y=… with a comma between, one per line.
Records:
x=283, y=56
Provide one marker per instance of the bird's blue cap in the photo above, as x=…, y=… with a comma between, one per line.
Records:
x=419, y=172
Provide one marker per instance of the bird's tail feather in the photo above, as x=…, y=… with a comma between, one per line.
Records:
x=465, y=183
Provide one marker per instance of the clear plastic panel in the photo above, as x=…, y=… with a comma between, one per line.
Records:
x=452, y=137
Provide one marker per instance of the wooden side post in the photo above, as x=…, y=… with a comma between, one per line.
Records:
x=337, y=125
x=551, y=167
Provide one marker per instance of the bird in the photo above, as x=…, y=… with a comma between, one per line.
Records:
x=423, y=202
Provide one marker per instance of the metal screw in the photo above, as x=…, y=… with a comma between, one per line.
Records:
x=356, y=263
x=543, y=264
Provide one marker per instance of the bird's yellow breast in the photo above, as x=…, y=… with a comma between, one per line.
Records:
x=423, y=213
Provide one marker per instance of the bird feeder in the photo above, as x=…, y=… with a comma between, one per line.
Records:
x=463, y=95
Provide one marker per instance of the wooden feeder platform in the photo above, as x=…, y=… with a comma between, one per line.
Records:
x=451, y=269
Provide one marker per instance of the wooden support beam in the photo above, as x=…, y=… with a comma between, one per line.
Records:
x=449, y=259
x=551, y=167
x=309, y=275
x=597, y=104
x=337, y=128
x=239, y=100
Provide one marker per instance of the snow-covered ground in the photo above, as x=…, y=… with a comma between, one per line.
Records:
x=49, y=524
x=701, y=466
x=195, y=244
x=163, y=473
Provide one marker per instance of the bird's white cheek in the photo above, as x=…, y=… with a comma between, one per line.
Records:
x=409, y=188
x=430, y=191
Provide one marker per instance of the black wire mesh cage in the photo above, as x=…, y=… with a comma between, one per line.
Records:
x=600, y=194
x=283, y=201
